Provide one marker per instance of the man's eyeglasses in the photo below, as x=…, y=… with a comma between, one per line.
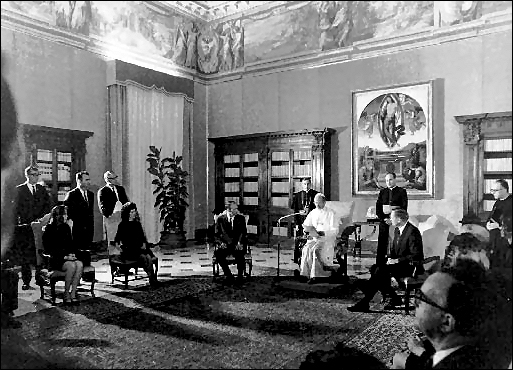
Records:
x=33, y=174
x=494, y=190
x=112, y=178
x=420, y=296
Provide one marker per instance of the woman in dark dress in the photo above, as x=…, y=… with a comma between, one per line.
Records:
x=134, y=246
x=58, y=243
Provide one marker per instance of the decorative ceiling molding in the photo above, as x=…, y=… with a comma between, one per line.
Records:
x=209, y=11
x=501, y=22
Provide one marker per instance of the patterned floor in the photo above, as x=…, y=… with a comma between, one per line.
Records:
x=191, y=260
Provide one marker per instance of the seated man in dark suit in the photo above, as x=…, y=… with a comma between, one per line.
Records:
x=231, y=236
x=406, y=251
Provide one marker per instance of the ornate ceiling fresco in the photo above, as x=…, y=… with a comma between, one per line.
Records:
x=224, y=36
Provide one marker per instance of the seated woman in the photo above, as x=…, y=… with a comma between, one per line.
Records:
x=134, y=246
x=58, y=242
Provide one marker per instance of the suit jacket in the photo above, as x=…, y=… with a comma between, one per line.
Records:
x=467, y=357
x=31, y=207
x=408, y=247
x=299, y=200
x=395, y=197
x=81, y=212
x=107, y=199
x=231, y=236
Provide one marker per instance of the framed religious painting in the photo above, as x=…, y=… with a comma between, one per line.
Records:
x=392, y=131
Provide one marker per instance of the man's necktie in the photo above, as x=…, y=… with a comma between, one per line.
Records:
x=32, y=189
x=115, y=191
x=397, y=234
x=85, y=196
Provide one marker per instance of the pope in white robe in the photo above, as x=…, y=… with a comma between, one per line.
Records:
x=322, y=230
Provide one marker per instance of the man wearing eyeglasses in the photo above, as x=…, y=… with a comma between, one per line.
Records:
x=502, y=209
x=454, y=309
x=32, y=203
x=110, y=199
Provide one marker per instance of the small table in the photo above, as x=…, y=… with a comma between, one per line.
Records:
x=374, y=222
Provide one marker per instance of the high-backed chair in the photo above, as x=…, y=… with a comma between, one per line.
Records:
x=248, y=258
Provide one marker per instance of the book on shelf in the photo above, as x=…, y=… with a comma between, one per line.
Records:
x=251, y=186
x=497, y=145
x=251, y=157
x=497, y=164
x=64, y=157
x=280, y=201
x=280, y=187
x=44, y=155
x=280, y=156
x=231, y=172
x=302, y=155
x=250, y=171
x=231, y=158
x=250, y=201
x=231, y=187
x=280, y=171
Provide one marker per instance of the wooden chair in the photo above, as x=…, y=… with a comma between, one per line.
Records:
x=120, y=268
x=248, y=258
x=47, y=277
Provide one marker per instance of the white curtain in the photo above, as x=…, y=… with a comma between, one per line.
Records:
x=154, y=117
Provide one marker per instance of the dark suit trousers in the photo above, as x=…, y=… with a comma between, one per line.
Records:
x=221, y=255
x=9, y=290
x=382, y=250
x=380, y=279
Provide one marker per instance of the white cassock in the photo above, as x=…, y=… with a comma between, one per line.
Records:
x=318, y=251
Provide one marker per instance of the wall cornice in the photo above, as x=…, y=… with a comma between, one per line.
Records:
x=493, y=23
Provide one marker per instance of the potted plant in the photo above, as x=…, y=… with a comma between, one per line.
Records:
x=170, y=193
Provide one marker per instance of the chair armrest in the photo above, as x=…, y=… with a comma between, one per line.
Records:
x=430, y=259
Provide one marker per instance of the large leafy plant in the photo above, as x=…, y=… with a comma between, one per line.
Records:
x=170, y=188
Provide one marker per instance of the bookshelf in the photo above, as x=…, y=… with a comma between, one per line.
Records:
x=487, y=157
x=260, y=172
x=59, y=154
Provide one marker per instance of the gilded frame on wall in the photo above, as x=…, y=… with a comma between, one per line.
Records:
x=392, y=131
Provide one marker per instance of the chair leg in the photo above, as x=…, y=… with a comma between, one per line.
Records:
x=250, y=268
x=42, y=288
x=407, y=301
x=92, y=286
x=126, y=280
x=52, y=291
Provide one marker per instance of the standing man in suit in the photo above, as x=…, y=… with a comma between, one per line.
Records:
x=406, y=253
x=111, y=198
x=231, y=236
x=302, y=202
x=80, y=210
x=32, y=203
x=389, y=198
